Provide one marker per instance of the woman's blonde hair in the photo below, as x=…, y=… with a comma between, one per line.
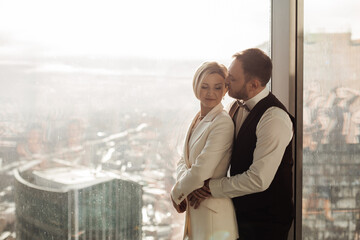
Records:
x=203, y=71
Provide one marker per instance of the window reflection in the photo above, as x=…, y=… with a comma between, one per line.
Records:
x=331, y=137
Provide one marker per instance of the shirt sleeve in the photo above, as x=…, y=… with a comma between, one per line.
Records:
x=274, y=133
x=218, y=144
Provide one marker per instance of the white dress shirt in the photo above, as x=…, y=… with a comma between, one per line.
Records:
x=274, y=133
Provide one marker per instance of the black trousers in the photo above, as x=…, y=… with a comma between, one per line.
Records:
x=263, y=231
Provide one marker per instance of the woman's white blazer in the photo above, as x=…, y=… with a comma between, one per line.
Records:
x=207, y=152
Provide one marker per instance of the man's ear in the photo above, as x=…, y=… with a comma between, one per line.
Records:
x=255, y=83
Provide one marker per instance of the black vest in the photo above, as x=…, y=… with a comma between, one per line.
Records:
x=274, y=204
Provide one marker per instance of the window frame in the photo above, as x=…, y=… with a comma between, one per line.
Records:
x=287, y=83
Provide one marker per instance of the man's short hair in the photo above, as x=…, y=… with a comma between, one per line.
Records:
x=255, y=63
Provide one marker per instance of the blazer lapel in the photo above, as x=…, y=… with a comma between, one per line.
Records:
x=204, y=124
x=187, y=140
x=199, y=130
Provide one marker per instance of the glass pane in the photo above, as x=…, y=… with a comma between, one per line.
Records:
x=95, y=100
x=331, y=158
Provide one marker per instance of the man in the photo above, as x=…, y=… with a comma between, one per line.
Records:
x=260, y=182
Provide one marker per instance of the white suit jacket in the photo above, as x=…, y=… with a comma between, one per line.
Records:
x=208, y=151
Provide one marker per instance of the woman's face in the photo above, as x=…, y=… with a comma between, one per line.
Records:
x=212, y=90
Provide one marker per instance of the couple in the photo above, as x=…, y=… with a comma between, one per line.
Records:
x=254, y=138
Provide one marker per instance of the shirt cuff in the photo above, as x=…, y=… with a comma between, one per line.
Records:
x=215, y=188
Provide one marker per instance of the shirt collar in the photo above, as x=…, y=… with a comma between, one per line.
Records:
x=254, y=100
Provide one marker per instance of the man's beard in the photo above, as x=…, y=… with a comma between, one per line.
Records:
x=241, y=94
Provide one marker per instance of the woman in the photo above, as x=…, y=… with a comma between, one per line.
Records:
x=207, y=153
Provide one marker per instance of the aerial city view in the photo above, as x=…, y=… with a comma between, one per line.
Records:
x=96, y=98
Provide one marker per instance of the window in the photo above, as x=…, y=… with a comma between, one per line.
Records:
x=93, y=91
x=331, y=196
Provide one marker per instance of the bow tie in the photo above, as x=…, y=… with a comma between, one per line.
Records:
x=242, y=104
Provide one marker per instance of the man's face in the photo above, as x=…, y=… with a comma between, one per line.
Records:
x=237, y=86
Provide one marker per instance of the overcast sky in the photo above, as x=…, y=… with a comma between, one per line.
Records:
x=156, y=28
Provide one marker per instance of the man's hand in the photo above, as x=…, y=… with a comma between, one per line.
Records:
x=181, y=207
x=199, y=195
